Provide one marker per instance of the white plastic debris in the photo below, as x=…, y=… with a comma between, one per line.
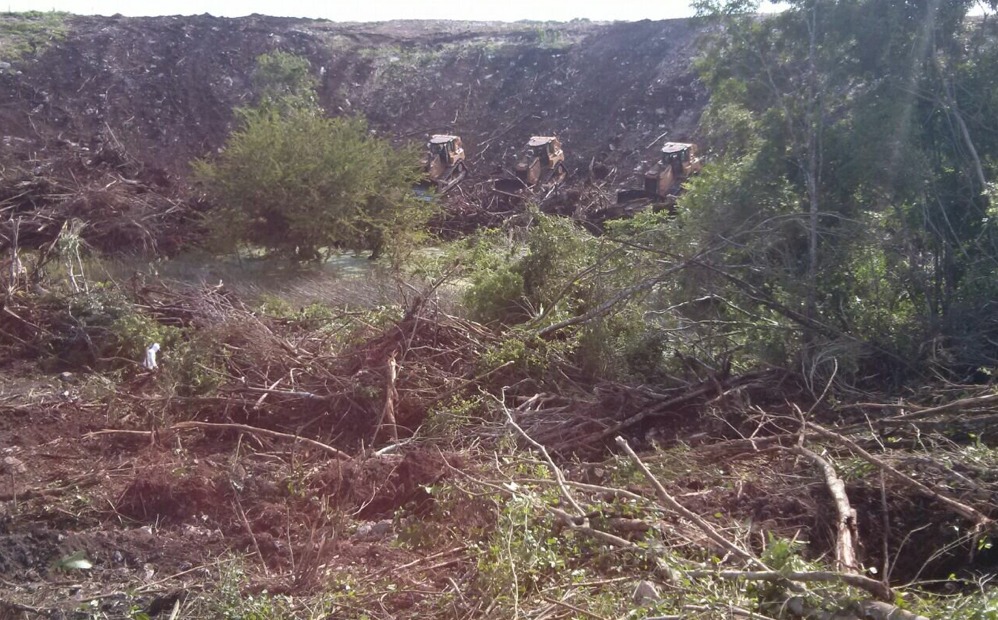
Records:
x=150, y=362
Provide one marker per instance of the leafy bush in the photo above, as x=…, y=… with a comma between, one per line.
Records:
x=513, y=281
x=195, y=367
x=103, y=329
x=299, y=185
x=284, y=82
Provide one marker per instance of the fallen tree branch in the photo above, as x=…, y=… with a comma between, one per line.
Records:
x=558, y=475
x=979, y=518
x=874, y=587
x=249, y=530
x=621, y=296
x=573, y=608
x=729, y=609
x=963, y=403
x=581, y=525
x=809, y=323
x=115, y=431
x=875, y=610
x=845, y=523
x=259, y=431
x=576, y=523
x=674, y=505
x=705, y=388
x=387, y=417
x=850, y=610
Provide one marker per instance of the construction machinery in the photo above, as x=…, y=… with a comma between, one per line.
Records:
x=542, y=167
x=443, y=164
x=663, y=181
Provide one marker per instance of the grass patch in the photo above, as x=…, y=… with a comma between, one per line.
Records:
x=29, y=33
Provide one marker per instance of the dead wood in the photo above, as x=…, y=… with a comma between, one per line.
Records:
x=980, y=519
x=259, y=431
x=845, y=522
x=581, y=422
x=387, y=417
x=876, y=610
x=852, y=610
x=579, y=521
x=874, y=587
x=729, y=610
x=956, y=405
x=670, y=502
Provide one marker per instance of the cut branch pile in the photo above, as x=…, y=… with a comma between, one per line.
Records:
x=280, y=375
x=587, y=424
x=125, y=206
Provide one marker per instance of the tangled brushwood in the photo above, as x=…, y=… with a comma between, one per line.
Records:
x=404, y=462
x=719, y=343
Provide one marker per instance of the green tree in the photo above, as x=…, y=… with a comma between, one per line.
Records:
x=299, y=185
x=855, y=154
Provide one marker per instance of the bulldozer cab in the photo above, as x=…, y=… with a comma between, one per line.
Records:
x=681, y=157
x=443, y=163
x=663, y=181
x=545, y=148
x=445, y=147
x=543, y=164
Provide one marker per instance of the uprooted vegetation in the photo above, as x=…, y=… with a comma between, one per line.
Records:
x=401, y=461
x=774, y=401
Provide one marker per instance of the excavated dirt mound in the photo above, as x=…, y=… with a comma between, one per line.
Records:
x=101, y=117
x=164, y=88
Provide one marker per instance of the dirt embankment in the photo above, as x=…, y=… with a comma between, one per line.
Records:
x=163, y=89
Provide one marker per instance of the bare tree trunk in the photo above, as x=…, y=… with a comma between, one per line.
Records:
x=813, y=167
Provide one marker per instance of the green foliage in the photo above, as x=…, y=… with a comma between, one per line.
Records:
x=445, y=520
x=195, y=367
x=447, y=418
x=30, y=32
x=850, y=183
x=300, y=185
x=522, y=554
x=495, y=296
x=495, y=289
x=522, y=354
x=101, y=328
x=134, y=331
x=979, y=604
x=277, y=307
x=547, y=38
x=284, y=83
x=233, y=603
x=513, y=280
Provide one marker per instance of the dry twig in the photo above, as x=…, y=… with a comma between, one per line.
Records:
x=674, y=505
x=259, y=431
x=872, y=586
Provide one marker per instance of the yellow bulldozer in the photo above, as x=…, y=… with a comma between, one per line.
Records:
x=443, y=163
x=663, y=181
x=541, y=168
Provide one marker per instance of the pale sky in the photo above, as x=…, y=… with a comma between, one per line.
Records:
x=376, y=10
